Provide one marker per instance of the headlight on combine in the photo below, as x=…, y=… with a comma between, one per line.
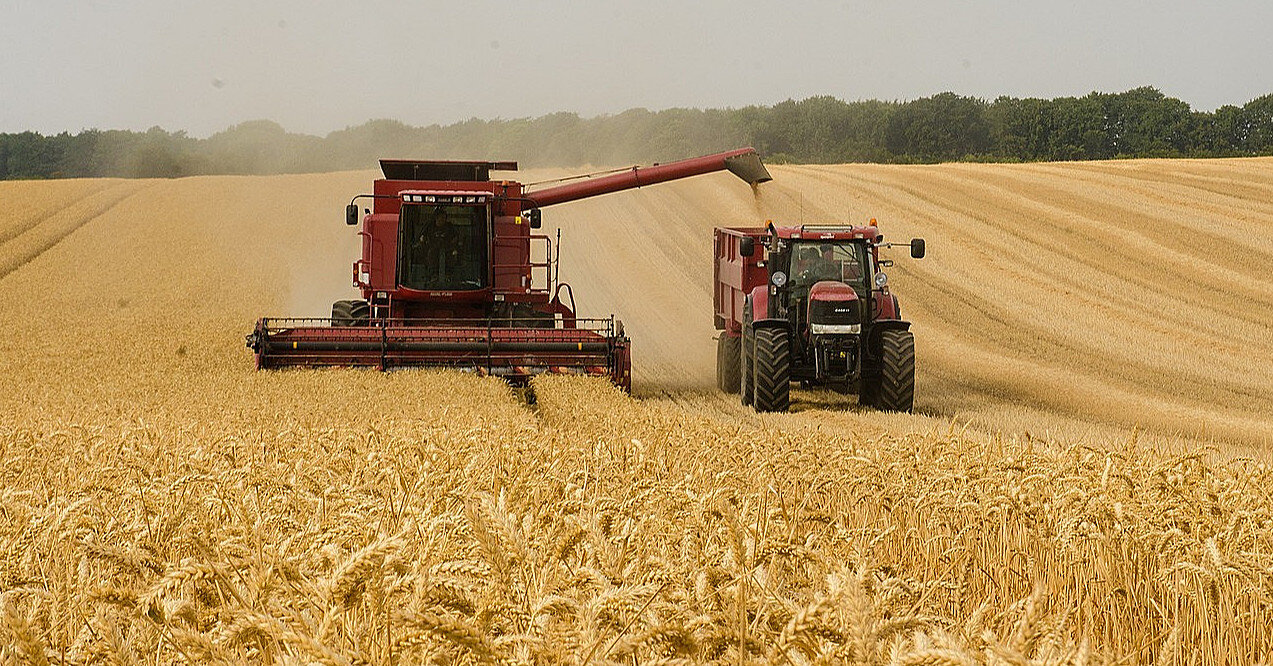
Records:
x=779, y=279
x=835, y=329
x=881, y=279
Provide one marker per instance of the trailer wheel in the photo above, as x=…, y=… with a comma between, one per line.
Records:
x=896, y=389
x=746, y=373
x=728, y=363
x=773, y=370
x=342, y=313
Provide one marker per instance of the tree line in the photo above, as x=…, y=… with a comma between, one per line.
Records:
x=1142, y=122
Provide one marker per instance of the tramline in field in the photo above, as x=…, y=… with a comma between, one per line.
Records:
x=449, y=279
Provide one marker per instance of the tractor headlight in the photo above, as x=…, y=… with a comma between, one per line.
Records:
x=835, y=329
x=881, y=279
x=779, y=279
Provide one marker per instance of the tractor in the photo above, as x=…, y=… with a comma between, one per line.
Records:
x=815, y=308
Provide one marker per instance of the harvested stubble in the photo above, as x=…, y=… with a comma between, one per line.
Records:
x=600, y=529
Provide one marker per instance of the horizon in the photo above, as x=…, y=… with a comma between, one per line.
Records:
x=325, y=134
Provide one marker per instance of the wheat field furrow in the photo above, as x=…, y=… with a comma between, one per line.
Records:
x=1084, y=479
x=1081, y=239
x=41, y=199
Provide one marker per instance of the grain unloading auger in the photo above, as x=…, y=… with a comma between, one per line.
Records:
x=452, y=275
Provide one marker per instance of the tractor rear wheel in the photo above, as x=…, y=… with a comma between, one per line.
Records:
x=342, y=313
x=727, y=363
x=773, y=370
x=896, y=389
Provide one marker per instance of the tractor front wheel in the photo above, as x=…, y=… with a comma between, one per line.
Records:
x=896, y=388
x=773, y=370
x=727, y=363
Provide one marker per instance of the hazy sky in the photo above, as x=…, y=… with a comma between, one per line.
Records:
x=319, y=66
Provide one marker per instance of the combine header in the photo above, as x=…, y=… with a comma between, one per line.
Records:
x=452, y=275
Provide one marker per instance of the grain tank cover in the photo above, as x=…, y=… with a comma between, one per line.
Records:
x=442, y=170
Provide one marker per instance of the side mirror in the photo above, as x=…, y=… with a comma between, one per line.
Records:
x=917, y=248
x=747, y=246
x=536, y=219
x=351, y=214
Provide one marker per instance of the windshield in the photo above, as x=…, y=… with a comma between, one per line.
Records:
x=813, y=261
x=443, y=248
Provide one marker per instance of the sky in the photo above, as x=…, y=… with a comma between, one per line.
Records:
x=319, y=66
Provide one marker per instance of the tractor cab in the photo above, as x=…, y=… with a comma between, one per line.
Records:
x=819, y=273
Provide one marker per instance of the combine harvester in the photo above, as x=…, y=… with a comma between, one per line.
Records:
x=448, y=279
x=814, y=307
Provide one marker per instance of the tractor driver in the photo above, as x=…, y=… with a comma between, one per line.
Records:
x=816, y=264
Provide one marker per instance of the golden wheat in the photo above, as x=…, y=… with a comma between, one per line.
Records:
x=162, y=502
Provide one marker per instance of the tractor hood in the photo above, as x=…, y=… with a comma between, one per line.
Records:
x=834, y=308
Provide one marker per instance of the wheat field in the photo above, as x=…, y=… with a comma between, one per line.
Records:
x=1085, y=480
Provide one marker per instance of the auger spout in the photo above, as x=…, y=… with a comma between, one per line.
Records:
x=743, y=162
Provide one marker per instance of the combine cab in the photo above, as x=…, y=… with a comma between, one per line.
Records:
x=453, y=274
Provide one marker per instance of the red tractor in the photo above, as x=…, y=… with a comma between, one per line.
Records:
x=449, y=278
x=814, y=308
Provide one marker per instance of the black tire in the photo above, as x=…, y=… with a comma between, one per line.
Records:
x=746, y=374
x=897, y=378
x=342, y=313
x=728, y=364
x=360, y=313
x=773, y=370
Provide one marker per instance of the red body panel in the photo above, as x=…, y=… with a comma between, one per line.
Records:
x=828, y=290
x=735, y=276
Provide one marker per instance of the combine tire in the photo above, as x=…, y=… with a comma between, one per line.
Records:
x=342, y=313
x=351, y=313
x=361, y=312
x=896, y=389
x=773, y=370
x=727, y=363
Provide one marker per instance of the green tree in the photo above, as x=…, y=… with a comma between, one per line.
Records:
x=944, y=127
x=1257, y=126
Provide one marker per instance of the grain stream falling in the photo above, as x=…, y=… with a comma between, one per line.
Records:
x=1085, y=481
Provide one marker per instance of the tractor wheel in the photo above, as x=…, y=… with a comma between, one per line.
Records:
x=773, y=370
x=746, y=353
x=342, y=313
x=360, y=313
x=727, y=362
x=896, y=391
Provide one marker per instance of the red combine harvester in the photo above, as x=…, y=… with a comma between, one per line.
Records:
x=814, y=308
x=449, y=279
